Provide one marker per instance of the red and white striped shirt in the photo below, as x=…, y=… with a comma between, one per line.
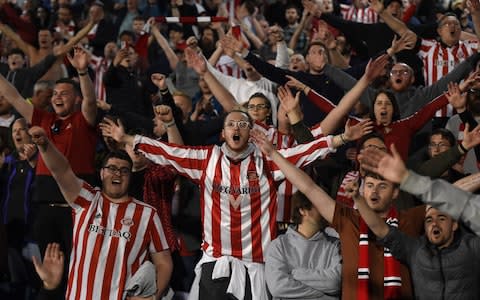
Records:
x=227, y=66
x=100, y=66
x=110, y=242
x=238, y=199
x=438, y=61
x=361, y=15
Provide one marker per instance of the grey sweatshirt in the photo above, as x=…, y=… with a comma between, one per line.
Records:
x=299, y=268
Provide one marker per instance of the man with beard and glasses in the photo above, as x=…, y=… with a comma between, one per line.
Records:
x=238, y=200
x=114, y=234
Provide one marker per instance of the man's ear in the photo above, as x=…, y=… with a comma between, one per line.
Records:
x=396, y=192
x=303, y=211
x=455, y=226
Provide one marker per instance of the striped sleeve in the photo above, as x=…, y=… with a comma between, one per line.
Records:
x=188, y=161
x=85, y=197
x=158, y=240
x=303, y=154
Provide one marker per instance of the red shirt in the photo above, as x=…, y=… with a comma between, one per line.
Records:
x=73, y=137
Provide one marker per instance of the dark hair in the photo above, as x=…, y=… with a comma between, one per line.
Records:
x=445, y=134
x=175, y=27
x=250, y=6
x=446, y=15
x=379, y=177
x=362, y=141
x=373, y=175
x=318, y=43
x=120, y=154
x=127, y=33
x=260, y=95
x=16, y=51
x=373, y=135
x=299, y=201
x=73, y=83
x=67, y=6
x=473, y=95
x=292, y=5
x=393, y=100
x=268, y=119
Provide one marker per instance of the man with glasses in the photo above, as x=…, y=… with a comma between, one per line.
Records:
x=114, y=235
x=238, y=200
x=446, y=157
x=441, y=56
x=73, y=132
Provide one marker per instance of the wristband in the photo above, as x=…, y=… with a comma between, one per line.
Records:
x=170, y=124
x=342, y=137
x=82, y=73
x=462, y=148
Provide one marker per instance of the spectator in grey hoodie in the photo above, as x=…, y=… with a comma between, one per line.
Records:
x=304, y=262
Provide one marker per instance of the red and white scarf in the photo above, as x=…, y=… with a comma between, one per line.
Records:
x=342, y=195
x=392, y=282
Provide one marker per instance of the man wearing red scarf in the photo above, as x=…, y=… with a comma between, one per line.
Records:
x=368, y=271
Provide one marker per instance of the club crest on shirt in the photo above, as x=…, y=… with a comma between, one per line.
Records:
x=127, y=222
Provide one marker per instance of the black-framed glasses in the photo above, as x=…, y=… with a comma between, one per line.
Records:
x=56, y=126
x=123, y=171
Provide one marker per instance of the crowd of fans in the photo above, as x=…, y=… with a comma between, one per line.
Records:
x=150, y=150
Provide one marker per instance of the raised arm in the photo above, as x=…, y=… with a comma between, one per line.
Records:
x=164, y=112
x=306, y=19
x=50, y=270
x=163, y=43
x=58, y=165
x=395, y=24
x=461, y=205
x=256, y=41
x=269, y=71
x=335, y=118
x=64, y=49
x=197, y=62
x=80, y=61
x=325, y=35
x=24, y=46
x=474, y=7
x=10, y=93
x=374, y=221
x=321, y=200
